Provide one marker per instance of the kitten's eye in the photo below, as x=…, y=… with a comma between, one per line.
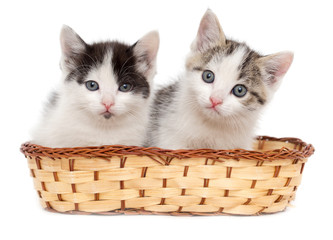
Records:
x=239, y=90
x=208, y=76
x=92, y=85
x=126, y=87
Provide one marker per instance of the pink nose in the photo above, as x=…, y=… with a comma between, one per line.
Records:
x=107, y=105
x=215, y=101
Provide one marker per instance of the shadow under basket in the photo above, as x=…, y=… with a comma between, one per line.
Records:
x=135, y=180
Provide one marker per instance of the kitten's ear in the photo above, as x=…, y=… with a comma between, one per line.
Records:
x=146, y=52
x=71, y=43
x=274, y=67
x=210, y=33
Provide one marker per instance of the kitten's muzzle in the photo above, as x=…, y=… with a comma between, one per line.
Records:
x=107, y=113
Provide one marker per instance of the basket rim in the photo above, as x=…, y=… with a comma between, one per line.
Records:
x=164, y=156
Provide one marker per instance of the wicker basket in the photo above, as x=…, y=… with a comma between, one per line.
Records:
x=136, y=180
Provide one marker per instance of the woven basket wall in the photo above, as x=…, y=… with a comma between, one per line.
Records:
x=135, y=180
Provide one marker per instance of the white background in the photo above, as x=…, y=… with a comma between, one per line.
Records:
x=30, y=53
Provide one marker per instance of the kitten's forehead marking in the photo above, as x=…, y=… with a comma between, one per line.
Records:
x=226, y=69
x=230, y=62
x=200, y=61
x=105, y=71
x=105, y=75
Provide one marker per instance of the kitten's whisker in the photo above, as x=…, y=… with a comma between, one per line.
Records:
x=135, y=74
x=78, y=69
x=137, y=118
x=121, y=69
x=94, y=61
x=124, y=70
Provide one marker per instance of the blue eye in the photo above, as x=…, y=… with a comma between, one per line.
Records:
x=208, y=76
x=239, y=90
x=92, y=85
x=126, y=87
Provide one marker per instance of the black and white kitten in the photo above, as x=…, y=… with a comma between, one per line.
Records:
x=104, y=94
x=218, y=100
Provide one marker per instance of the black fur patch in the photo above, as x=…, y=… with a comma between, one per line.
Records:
x=258, y=97
x=250, y=57
x=123, y=64
x=164, y=97
x=198, y=69
x=81, y=64
x=162, y=101
x=249, y=70
x=231, y=46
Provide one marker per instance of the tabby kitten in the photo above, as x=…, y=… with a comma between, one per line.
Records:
x=104, y=93
x=216, y=103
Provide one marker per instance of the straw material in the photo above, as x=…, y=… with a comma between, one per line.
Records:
x=136, y=180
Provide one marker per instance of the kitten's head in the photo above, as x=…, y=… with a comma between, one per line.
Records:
x=227, y=78
x=107, y=79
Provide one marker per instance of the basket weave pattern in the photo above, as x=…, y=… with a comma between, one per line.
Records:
x=136, y=180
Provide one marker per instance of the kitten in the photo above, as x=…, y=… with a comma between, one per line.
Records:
x=104, y=95
x=217, y=102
